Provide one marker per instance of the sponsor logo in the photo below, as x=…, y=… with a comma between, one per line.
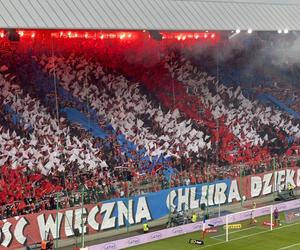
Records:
x=211, y=230
x=196, y=242
x=177, y=230
x=133, y=241
x=265, y=211
x=197, y=226
x=233, y=226
x=267, y=223
x=110, y=246
x=156, y=236
x=233, y=218
x=281, y=207
x=217, y=222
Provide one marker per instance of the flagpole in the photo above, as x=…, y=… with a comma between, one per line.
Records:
x=127, y=226
x=275, y=182
x=57, y=233
x=170, y=209
x=82, y=226
x=241, y=183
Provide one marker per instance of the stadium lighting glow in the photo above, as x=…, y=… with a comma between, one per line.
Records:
x=122, y=36
x=285, y=31
x=238, y=31
x=112, y=35
x=279, y=31
x=249, y=31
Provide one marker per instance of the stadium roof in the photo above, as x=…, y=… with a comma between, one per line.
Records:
x=151, y=14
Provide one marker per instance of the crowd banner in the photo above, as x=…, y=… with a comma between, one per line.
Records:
x=269, y=182
x=188, y=228
x=112, y=214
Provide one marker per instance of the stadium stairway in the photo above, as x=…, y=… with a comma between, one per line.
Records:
x=235, y=76
x=45, y=86
x=75, y=116
x=232, y=77
x=13, y=123
x=156, y=80
x=16, y=118
x=282, y=106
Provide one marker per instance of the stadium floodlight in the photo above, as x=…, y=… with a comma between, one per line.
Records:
x=155, y=35
x=285, y=31
x=249, y=31
x=279, y=31
x=234, y=33
x=13, y=35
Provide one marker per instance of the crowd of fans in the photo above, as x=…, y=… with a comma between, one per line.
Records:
x=252, y=122
x=164, y=125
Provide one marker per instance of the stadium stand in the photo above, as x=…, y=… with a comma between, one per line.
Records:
x=115, y=129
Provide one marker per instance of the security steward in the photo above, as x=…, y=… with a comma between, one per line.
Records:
x=46, y=244
x=290, y=188
x=194, y=217
x=145, y=227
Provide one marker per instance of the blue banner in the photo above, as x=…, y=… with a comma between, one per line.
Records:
x=151, y=206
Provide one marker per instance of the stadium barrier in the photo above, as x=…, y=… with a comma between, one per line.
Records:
x=131, y=211
x=189, y=228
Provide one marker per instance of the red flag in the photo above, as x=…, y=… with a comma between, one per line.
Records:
x=22, y=205
x=35, y=177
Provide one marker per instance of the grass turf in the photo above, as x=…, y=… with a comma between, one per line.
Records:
x=248, y=237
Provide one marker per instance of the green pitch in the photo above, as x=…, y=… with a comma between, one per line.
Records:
x=249, y=237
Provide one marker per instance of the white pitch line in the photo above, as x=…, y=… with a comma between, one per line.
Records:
x=287, y=247
x=246, y=236
x=217, y=239
x=234, y=232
